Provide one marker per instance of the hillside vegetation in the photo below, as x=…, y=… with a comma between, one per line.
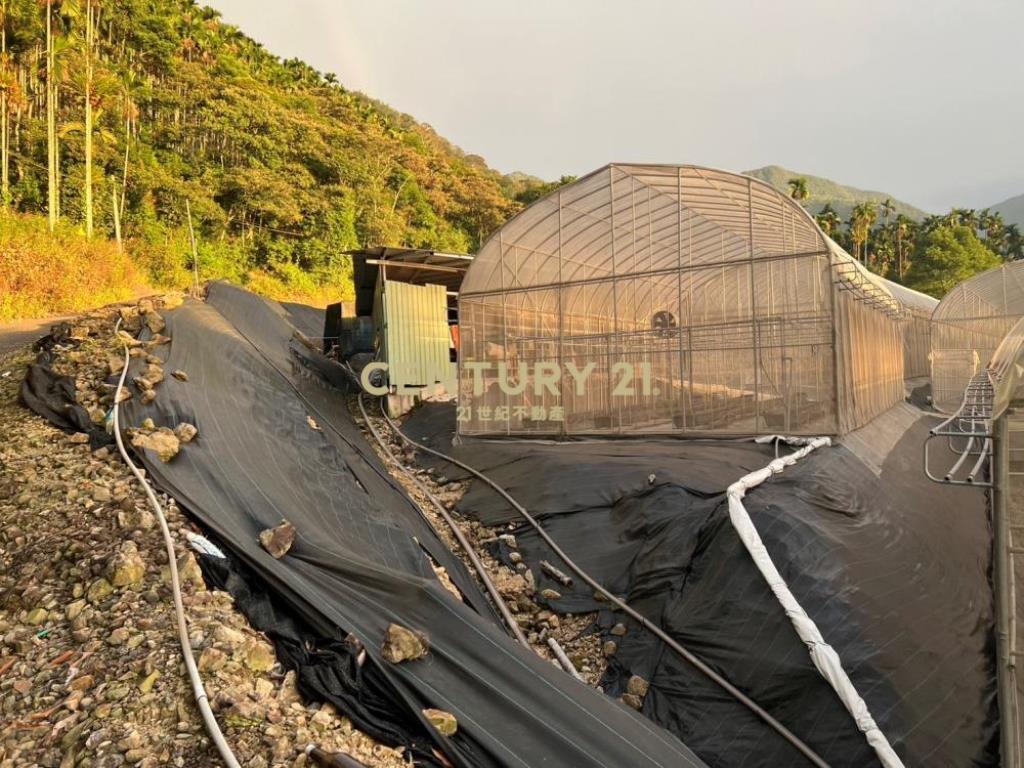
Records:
x=822, y=191
x=127, y=120
x=282, y=167
x=1012, y=210
x=43, y=273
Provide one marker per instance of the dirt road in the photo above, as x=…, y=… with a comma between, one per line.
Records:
x=23, y=332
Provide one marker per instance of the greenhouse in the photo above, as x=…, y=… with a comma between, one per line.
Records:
x=646, y=299
x=917, y=337
x=967, y=327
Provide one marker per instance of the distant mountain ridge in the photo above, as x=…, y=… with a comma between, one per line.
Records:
x=1011, y=210
x=822, y=191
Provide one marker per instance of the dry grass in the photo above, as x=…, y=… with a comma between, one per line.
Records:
x=44, y=274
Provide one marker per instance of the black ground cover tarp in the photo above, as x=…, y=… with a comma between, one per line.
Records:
x=894, y=570
x=52, y=395
x=358, y=561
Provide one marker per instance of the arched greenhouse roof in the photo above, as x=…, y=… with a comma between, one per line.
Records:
x=566, y=237
x=968, y=325
x=726, y=213
x=915, y=302
x=997, y=292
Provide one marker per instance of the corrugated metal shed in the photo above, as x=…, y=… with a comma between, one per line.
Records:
x=412, y=325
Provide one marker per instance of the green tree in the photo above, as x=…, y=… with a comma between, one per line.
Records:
x=862, y=219
x=1014, y=242
x=947, y=256
x=904, y=229
x=798, y=189
x=7, y=83
x=829, y=220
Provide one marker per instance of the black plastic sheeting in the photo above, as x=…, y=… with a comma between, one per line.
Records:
x=893, y=569
x=52, y=395
x=358, y=562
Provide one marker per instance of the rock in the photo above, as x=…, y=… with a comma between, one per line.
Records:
x=150, y=680
x=618, y=630
x=145, y=306
x=133, y=518
x=127, y=339
x=511, y=584
x=609, y=648
x=401, y=644
x=444, y=722
x=189, y=571
x=101, y=494
x=132, y=741
x=211, y=660
x=148, y=396
x=258, y=655
x=79, y=438
x=180, y=375
x=83, y=683
x=637, y=686
x=245, y=712
x=172, y=300
x=154, y=374
x=74, y=609
x=99, y=590
x=148, y=424
x=115, y=364
x=126, y=567
x=164, y=442
x=323, y=718
x=37, y=616
x=186, y=432
x=277, y=541
x=550, y=594
x=118, y=637
x=631, y=700
x=155, y=322
x=230, y=638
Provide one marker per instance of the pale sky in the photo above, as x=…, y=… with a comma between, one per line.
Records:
x=923, y=100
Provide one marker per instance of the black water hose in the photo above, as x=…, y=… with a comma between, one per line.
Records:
x=478, y=566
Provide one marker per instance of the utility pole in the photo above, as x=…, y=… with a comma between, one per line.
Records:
x=195, y=252
x=117, y=217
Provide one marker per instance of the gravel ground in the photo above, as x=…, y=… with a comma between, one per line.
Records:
x=90, y=667
x=571, y=632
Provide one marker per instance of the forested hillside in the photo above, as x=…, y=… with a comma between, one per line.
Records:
x=1012, y=210
x=822, y=192
x=282, y=167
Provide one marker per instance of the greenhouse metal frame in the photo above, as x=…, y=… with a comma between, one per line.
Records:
x=673, y=299
x=968, y=326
